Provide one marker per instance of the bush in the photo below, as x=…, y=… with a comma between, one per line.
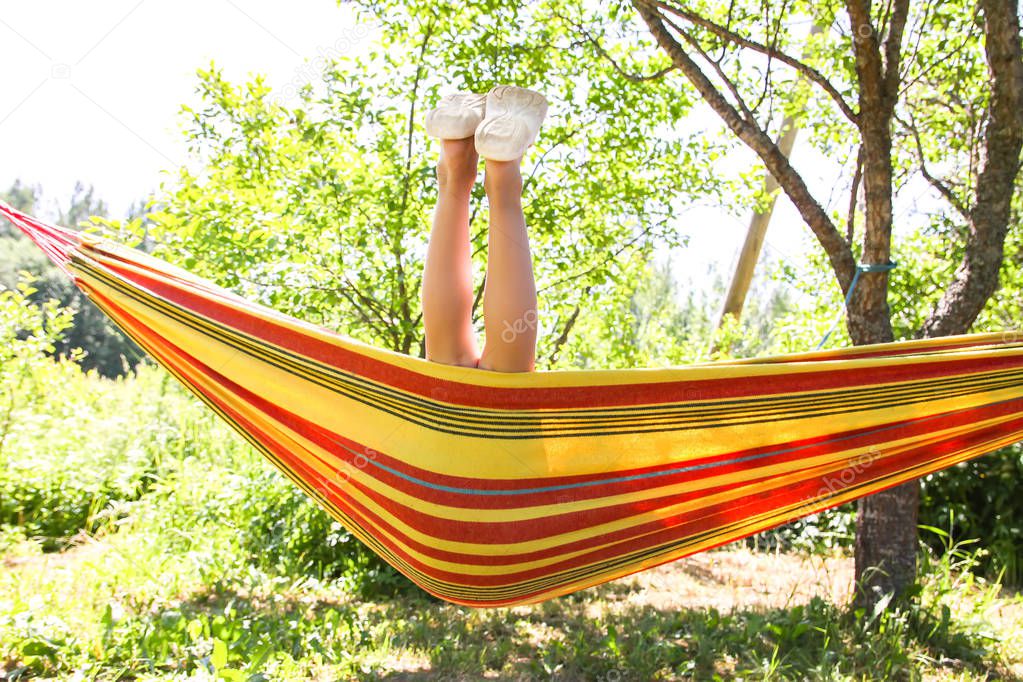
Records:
x=81, y=453
x=980, y=499
x=285, y=531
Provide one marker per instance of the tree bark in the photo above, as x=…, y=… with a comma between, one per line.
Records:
x=988, y=221
x=869, y=318
x=886, y=542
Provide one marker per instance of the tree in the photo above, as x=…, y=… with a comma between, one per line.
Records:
x=319, y=204
x=107, y=350
x=862, y=68
x=893, y=91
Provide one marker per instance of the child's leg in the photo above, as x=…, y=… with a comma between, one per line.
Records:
x=447, y=274
x=509, y=296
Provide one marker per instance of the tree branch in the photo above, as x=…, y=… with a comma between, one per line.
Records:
x=633, y=77
x=850, y=225
x=839, y=253
x=893, y=48
x=936, y=183
x=866, y=49
x=396, y=249
x=693, y=43
x=566, y=330
x=810, y=73
x=479, y=294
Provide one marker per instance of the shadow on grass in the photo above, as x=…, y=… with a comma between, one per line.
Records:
x=594, y=635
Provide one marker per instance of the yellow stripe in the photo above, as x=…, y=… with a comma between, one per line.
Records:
x=497, y=459
x=505, y=459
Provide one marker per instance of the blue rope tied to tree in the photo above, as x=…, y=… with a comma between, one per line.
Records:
x=860, y=269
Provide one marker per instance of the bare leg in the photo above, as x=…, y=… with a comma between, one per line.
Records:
x=447, y=274
x=509, y=296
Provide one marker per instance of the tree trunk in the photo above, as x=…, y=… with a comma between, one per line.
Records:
x=886, y=542
x=886, y=535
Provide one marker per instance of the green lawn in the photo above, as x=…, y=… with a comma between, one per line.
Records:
x=124, y=608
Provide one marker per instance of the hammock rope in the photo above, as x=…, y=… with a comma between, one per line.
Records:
x=861, y=268
x=492, y=489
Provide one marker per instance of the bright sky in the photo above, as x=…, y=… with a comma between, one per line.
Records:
x=92, y=92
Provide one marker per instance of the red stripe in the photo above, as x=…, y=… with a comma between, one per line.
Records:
x=821, y=445
x=715, y=517
x=531, y=397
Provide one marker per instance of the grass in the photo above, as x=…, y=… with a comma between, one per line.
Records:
x=123, y=607
x=149, y=542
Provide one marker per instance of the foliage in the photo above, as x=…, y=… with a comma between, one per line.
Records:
x=83, y=454
x=286, y=533
x=943, y=85
x=27, y=376
x=22, y=197
x=102, y=346
x=72, y=446
x=318, y=204
x=980, y=499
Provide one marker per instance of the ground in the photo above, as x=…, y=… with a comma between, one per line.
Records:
x=731, y=614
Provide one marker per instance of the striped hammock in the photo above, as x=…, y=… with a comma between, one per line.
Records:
x=491, y=489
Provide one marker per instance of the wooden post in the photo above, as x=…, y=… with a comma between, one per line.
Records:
x=755, y=234
x=757, y=231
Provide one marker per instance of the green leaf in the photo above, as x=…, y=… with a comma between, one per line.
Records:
x=219, y=656
x=38, y=648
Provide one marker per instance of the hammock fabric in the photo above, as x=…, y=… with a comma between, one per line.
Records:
x=493, y=489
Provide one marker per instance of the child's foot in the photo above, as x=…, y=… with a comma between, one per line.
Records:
x=457, y=116
x=512, y=122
